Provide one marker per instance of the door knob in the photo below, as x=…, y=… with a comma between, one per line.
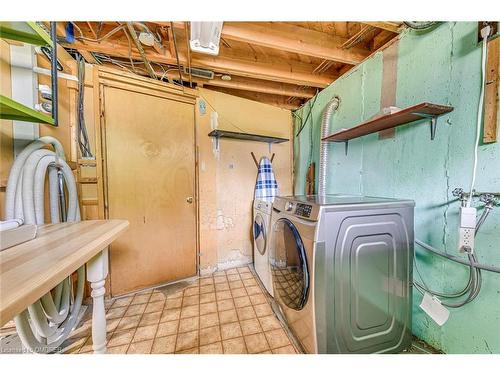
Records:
x=189, y=200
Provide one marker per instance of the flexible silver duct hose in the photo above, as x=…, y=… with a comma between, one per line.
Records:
x=330, y=108
x=419, y=25
x=44, y=325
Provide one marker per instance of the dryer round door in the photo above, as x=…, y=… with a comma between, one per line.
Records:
x=289, y=265
x=259, y=233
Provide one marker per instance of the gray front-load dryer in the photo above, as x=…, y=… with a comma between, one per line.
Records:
x=342, y=271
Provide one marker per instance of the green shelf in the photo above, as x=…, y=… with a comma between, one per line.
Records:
x=12, y=110
x=26, y=32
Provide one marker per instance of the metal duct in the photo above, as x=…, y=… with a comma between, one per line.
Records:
x=330, y=108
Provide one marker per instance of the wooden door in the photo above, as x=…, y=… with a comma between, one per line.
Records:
x=150, y=163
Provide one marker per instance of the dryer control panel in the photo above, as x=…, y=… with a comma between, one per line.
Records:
x=302, y=209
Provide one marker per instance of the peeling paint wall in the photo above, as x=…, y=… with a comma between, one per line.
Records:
x=441, y=66
x=226, y=183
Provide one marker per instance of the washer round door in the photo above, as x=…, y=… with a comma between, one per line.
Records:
x=259, y=233
x=288, y=263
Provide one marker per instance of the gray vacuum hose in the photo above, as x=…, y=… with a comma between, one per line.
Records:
x=458, y=260
x=330, y=108
x=45, y=324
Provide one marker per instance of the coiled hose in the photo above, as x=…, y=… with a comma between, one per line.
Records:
x=44, y=325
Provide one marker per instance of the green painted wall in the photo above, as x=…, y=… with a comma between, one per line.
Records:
x=440, y=66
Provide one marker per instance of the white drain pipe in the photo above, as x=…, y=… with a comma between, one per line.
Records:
x=330, y=108
x=44, y=325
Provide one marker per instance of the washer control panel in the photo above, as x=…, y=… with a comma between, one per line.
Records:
x=302, y=209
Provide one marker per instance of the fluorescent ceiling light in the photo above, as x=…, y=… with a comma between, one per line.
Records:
x=205, y=37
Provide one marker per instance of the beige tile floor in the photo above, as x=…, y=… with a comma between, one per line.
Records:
x=223, y=313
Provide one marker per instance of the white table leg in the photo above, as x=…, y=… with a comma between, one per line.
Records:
x=97, y=270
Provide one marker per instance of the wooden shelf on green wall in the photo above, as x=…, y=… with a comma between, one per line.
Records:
x=26, y=32
x=12, y=110
x=404, y=116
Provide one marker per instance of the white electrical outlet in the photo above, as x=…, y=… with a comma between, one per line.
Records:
x=467, y=229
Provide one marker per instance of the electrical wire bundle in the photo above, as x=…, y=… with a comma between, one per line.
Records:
x=83, y=138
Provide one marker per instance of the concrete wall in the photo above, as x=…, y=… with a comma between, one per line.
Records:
x=440, y=66
x=226, y=185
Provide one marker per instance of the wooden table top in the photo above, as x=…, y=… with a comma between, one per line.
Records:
x=31, y=269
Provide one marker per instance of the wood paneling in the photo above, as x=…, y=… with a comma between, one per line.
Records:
x=150, y=168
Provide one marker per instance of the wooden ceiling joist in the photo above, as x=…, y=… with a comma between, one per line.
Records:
x=277, y=101
x=242, y=83
x=388, y=26
x=266, y=87
x=138, y=45
x=278, y=63
x=89, y=57
x=296, y=73
x=291, y=38
x=381, y=39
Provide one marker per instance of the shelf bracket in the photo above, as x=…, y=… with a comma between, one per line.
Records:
x=346, y=145
x=433, y=127
x=433, y=124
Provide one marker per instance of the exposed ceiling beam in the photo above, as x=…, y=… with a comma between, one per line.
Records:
x=388, y=26
x=381, y=38
x=292, y=38
x=298, y=74
x=345, y=69
x=358, y=37
x=88, y=57
x=293, y=73
x=138, y=45
x=267, y=87
x=277, y=101
x=241, y=83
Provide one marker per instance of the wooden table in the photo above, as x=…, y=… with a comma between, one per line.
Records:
x=30, y=270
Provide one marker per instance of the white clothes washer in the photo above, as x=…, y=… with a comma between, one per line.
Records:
x=261, y=241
